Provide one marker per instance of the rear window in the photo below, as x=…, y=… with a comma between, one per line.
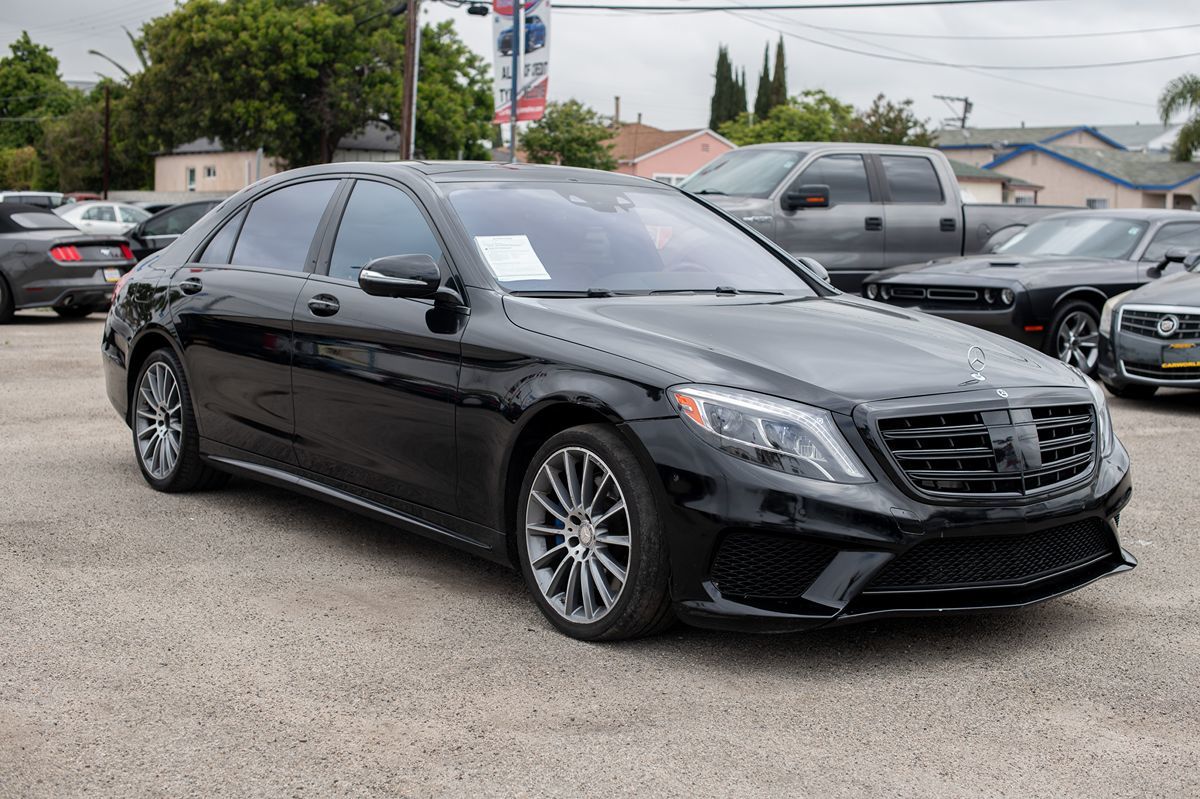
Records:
x=36, y=221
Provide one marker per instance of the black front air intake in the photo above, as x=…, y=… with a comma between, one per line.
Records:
x=751, y=565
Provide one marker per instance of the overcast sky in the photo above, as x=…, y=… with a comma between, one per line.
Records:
x=661, y=64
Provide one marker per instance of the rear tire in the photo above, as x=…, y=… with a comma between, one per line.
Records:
x=6, y=302
x=1133, y=391
x=598, y=543
x=166, y=442
x=74, y=311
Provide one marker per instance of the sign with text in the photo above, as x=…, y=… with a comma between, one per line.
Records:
x=535, y=62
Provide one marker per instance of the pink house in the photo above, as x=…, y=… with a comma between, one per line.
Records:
x=666, y=155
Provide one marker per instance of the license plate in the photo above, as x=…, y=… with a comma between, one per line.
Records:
x=1185, y=355
x=112, y=274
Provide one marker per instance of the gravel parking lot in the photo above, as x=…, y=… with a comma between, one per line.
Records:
x=253, y=642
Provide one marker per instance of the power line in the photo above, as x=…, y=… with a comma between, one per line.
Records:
x=691, y=9
x=1012, y=37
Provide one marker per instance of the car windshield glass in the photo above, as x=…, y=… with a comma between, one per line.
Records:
x=1081, y=236
x=744, y=173
x=36, y=221
x=572, y=237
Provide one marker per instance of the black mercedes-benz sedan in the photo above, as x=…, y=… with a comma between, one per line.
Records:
x=1046, y=285
x=649, y=408
x=1150, y=338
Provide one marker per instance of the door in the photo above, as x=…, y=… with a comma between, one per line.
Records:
x=1174, y=235
x=922, y=220
x=376, y=378
x=232, y=310
x=847, y=237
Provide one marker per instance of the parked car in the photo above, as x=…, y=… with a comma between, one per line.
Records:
x=1150, y=337
x=165, y=226
x=856, y=208
x=153, y=206
x=102, y=217
x=46, y=262
x=42, y=199
x=80, y=196
x=1045, y=286
x=535, y=36
x=650, y=408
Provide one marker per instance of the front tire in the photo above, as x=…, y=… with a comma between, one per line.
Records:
x=166, y=442
x=1075, y=336
x=74, y=311
x=1133, y=391
x=590, y=539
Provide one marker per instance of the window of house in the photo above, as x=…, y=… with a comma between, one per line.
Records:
x=1023, y=199
x=705, y=147
x=210, y=171
x=379, y=220
x=1097, y=202
x=280, y=226
x=669, y=179
x=190, y=178
x=845, y=175
x=911, y=179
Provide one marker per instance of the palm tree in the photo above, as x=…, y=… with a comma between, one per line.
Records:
x=1183, y=93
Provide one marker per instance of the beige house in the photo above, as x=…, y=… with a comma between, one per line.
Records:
x=205, y=166
x=1115, y=166
x=989, y=186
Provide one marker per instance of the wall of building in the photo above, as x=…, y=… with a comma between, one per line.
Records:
x=234, y=171
x=1068, y=185
x=983, y=191
x=679, y=160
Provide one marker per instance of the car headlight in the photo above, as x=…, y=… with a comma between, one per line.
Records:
x=872, y=291
x=771, y=432
x=1007, y=296
x=1104, y=431
x=1106, y=314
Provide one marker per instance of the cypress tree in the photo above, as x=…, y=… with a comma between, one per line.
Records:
x=739, y=105
x=762, y=99
x=779, y=93
x=721, y=90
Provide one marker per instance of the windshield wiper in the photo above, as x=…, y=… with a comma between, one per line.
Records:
x=556, y=294
x=710, y=191
x=718, y=290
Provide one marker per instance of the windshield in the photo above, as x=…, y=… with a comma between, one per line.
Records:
x=1081, y=236
x=574, y=237
x=745, y=173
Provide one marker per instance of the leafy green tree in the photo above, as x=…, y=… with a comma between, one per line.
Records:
x=31, y=91
x=779, y=92
x=294, y=77
x=886, y=122
x=74, y=145
x=19, y=168
x=812, y=116
x=1180, y=94
x=570, y=134
x=762, y=97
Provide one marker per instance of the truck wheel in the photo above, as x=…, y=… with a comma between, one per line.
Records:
x=1075, y=336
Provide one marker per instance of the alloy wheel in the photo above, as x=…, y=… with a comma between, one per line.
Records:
x=159, y=420
x=577, y=531
x=1079, y=341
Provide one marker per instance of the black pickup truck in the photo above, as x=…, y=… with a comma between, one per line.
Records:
x=856, y=208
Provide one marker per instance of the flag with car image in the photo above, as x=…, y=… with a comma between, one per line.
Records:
x=535, y=59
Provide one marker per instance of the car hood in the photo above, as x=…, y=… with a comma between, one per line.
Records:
x=989, y=266
x=1179, y=289
x=834, y=352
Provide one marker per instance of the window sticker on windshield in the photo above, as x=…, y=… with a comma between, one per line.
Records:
x=511, y=258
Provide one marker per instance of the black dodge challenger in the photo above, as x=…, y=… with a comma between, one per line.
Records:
x=650, y=409
x=1046, y=286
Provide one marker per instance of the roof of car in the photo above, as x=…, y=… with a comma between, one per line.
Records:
x=463, y=171
x=1142, y=214
x=9, y=210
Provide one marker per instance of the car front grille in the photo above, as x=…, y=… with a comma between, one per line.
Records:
x=1007, y=452
x=943, y=563
x=1145, y=323
x=751, y=565
x=1157, y=372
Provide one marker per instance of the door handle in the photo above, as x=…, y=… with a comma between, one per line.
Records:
x=324, y=305
x=949, y=224
x=873, y=223
x=192, y=285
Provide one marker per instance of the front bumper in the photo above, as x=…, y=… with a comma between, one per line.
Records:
x=1015, y=321
x=855, y=531
x=1131, y=359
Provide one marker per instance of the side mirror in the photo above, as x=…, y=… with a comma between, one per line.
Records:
x=814, y=196
x=1175, y=255
x=816, y=266
x=415, y=275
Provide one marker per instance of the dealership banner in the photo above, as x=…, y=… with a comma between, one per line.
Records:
x=535, y=66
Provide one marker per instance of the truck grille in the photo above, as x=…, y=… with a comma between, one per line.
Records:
x=1009, y=452
x=994, y=560
x=764, y=566
x=1145, y=323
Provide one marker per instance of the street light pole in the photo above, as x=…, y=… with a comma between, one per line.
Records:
x=518, y=40
x=412, y=65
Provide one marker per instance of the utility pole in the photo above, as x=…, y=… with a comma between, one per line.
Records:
x=958, y=119
x=518, y=40
x=412, y=66
x=104, y=191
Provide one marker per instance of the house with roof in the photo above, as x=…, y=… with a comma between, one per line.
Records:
x=665, y=155
x=981, y=185
x=205, y=166
x=1114, y=166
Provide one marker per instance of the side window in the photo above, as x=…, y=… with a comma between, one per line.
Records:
x=379, y=220
x=175, y=221
x=132, y=216
x=911, y=179
x=1179, y=234
x=100, y=213
x=220, y=246
x=845, y=175
x=280, y=226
